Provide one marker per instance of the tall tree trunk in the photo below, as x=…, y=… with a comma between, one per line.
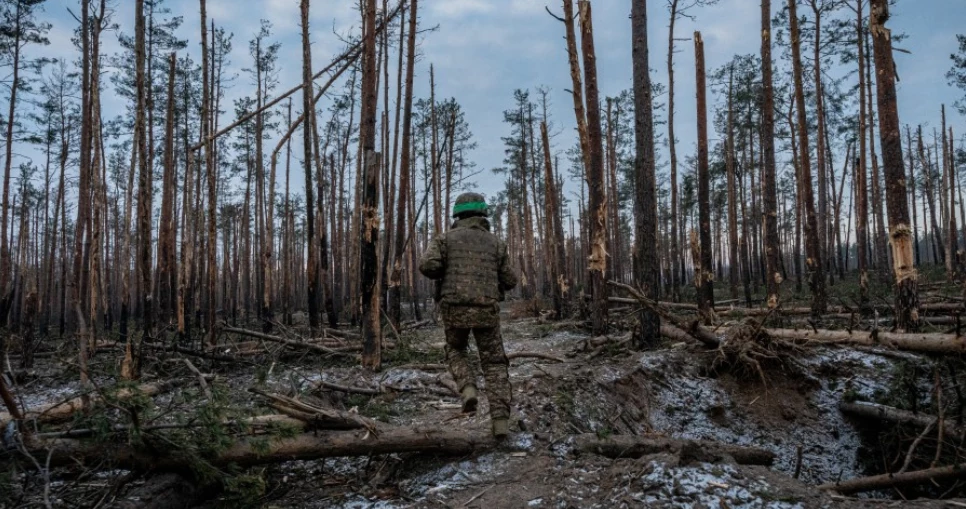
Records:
x=880, y=240
x=813, y=245
x=597, y=261
x=704, y=272
x=936, y=238
x=402, y=228
x=166, y=234
x=578, y=89
x=311, y=273
x=211, y=171
x=369, y=227
x=820, y=166
x=953, y=261
x=907, y=298
x=647, y=268
x=733, y=261
x=770, y=223
x=861, y=179
x=5, y=289
x=676, y=265
x=912, y=196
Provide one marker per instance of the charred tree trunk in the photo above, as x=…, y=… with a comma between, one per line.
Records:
x=907, y=298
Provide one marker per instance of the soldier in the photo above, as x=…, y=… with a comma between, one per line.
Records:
x=474, y=270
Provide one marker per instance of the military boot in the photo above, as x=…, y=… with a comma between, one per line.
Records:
x=501, y=428
x=469, y=399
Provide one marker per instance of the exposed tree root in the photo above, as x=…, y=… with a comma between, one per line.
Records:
x=748, y=349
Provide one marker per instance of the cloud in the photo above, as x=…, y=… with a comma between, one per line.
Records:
x=459, y=8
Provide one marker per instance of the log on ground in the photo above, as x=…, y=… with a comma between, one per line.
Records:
x=635, y=446
x=897, y=416
x=252, y=451
x=916, y=342
x=883, y=481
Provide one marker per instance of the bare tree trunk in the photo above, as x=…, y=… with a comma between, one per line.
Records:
x=578, y=89
x=936, y=239
x=912, y=196
x=8, y=164
x=704, y=272
x=369, y=227
x=210, y=170
x=733, y=261
x=83, y=200
x=597, y=261
x=144, y=182
x=166, y=234
x=880, y=240
x=820, y=165
x=861, y=179
x=647, y=268
x=402, y=228
x=953, y=261
x=311, y=273
x=813, y=246
x=907, y=298
x=676, y=265
x=773, y=277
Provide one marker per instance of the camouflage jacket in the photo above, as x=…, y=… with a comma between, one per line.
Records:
x=471, y=263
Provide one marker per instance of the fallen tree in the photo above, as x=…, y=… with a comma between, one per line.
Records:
x=635, y=446
x=883, y=481
x=65, y=410
x=916, y=342
x=894, y=415
x=259, y=450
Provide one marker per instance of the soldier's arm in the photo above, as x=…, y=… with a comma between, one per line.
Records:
x=433, y=262
x=508, y=278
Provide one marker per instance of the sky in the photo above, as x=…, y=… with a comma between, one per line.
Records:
x=483, y=50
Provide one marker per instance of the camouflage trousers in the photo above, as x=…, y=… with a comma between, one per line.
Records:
x=493, y=358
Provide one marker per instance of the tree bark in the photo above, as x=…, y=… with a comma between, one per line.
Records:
x=647, y=275
x=369, y=227
x=906, y=276
x=813, y=246
x=770, y=222
x=402, y=230
x=312, y=261
x=704, y=273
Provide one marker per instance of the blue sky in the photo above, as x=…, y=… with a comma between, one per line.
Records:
x=484, y=49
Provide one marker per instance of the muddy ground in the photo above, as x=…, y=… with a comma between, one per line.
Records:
x=605, y=390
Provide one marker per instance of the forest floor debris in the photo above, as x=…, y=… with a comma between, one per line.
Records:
x=600, y=390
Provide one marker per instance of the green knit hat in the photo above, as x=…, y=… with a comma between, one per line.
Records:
x=470, y=204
